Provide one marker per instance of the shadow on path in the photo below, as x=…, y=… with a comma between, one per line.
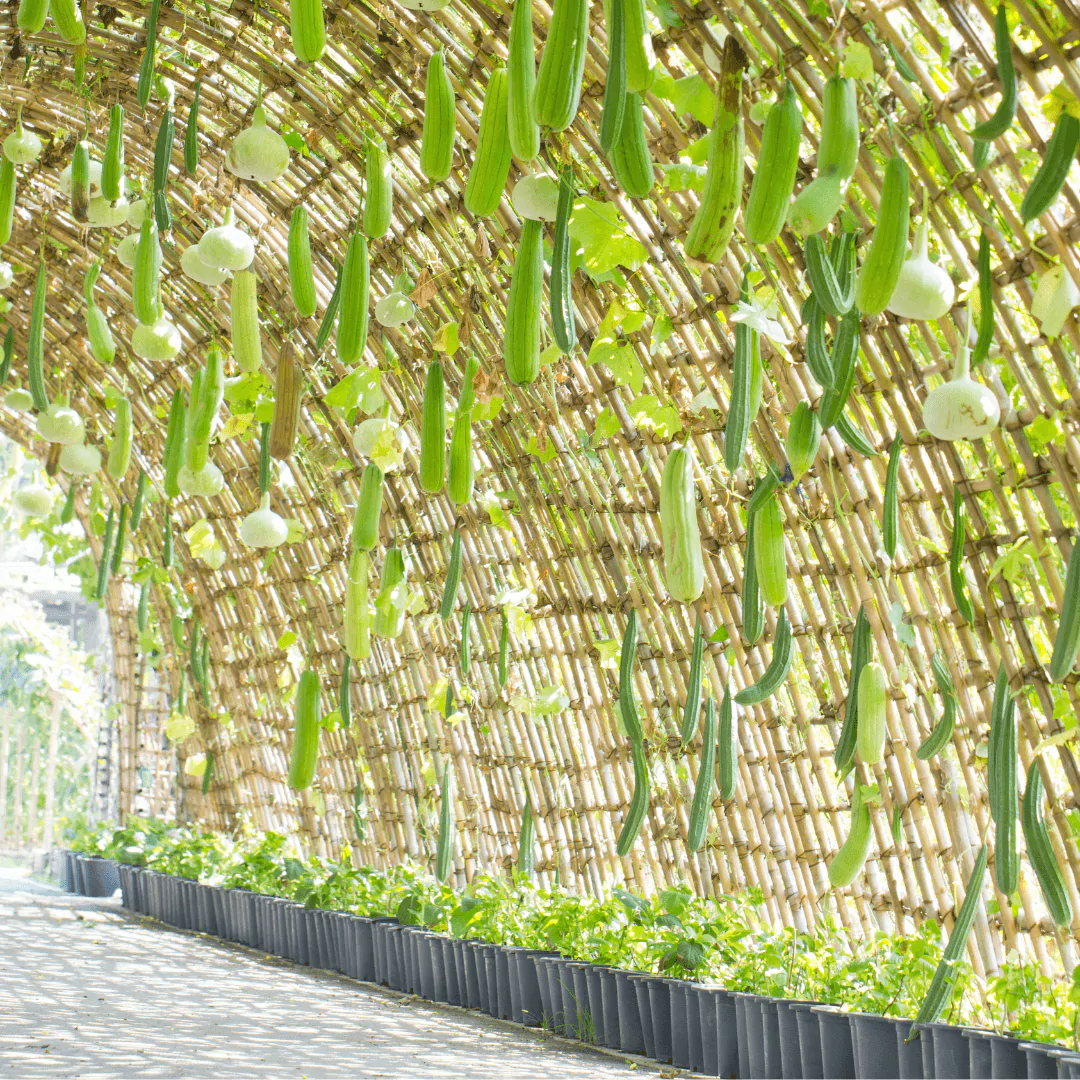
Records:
x=88, y=990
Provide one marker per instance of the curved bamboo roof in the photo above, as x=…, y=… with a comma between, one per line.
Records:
x=564, y=526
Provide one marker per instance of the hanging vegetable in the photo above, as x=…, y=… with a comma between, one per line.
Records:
x=491, y=159
x=849, y=860
x=305, y=748
x=1003, y=116
x=523, y=332
x=226, y=246
x=563, y=325
x=611, y=116
x=459, y=481
x=356, y=623
x=191, y=133
x=112, y=162
x=862, y=650
x=288, y=394
x=523, y=130
x=1057, y=160
x=163, y=149
x=393, y=595
x=353, y=315
x=120, y=450
x=146, y=67
x=1041, y=851
x=98, y=331
x=924, y=290
x=880, y=271
x=692, y=707
x=440, y=121
x=562, y=65
x=701, y=806
x=961, y=408
x=714, y=222
x=769, y=200
x=258, y=153
x=684, y=569
x=244, y=320
x=433, y=432
x=21, y=147
x=308, y=30
x=772, y=678
x=378, y=189
x=365, y=528
x=526, y=859
x=80, y=182
x=263, y=528
x=444, y=849
x=940, y=737
x=956, y=559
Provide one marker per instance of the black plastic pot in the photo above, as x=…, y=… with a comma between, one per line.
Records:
x=787, y=1024
x=530, y=984
x=504, y=1003
x=1068, y=1063
x=395, y=957
x=952, y=1058
x=364, y=938
x=453, y=994
x=641, y=988
x=770, y=1029
x=480, y=951
x=751, y=1035
x=631, y=1028
x=660, y=1006
x=874, y=1040
x=491, y=973
x=708, y=1003
x=1042, y=1062
x=316, y=958
x=458, y=947
x=418, y=945
x=595, y=989
x=568, y=994
x=693, y=1027
x=979, y=1052
x=542, y=965
x=378, y=949
x=809, y=1042
x=63, y=867
x=909, y=1050
x=80, y=875
x=438, y=968
x=609, y=997
x=741, y=1037
x=586, y=1028
x=837, y=1047
x=1006, y=1058
x=679, y=1024
x=472, y=973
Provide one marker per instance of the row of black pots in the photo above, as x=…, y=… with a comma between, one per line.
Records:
x=689, y=1025
x=86, y=874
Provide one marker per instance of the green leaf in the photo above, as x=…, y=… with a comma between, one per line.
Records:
x=607, y=424
x=857, y=62
x=658, y=415
x=905, y=632
x=446, y=339
x=286, y=639
x=605, y=241
x=684, y=176
x=690, y=94
x=361, y=388
x=545, y=452
x=486, y=410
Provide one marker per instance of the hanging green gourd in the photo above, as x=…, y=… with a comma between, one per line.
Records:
x=353, y=313
x=175, y=449
x=563, y=326
x=106, y=556
x=146, y=66
x=433, y=431
x=112, y=162
x=288, y=397
x=491, y=160
x=263, y=528
x=378, y=189
x=523, y=333
x=459, y=483
x=356, y=619
x=611, y=115
x=523, y=130
x=191, y=133
x=393, y=595
x=301, y=273
x=526, y=860
x=140, y=501
x=163, y=149
x=120, y=450
x=98, y=331
x=117, y=558
x=440, y=121
x=308, y=30
x=444, y=850
x=305, y=748
x=244, y=328
x=146, y=274
x=7, y=198
x=80, y=182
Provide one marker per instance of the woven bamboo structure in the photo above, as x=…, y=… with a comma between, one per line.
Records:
x=579, y=533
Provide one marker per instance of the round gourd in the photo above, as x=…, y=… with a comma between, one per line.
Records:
x=206, y=483
x=263, y=528
x=21, y=146
x=60, y=423
x=193, y=267
x=125, y=250
x=81, y=460
x=136, y=215
x=227, y=247
x=536, y=196
x=158, y=342
x=34, y=500
x=258, y=153
x=394, y=309
x=19, y=400
x=7, y=275
x=104, y=215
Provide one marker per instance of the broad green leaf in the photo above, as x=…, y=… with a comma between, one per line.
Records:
x=607, y=424
x=857, y=62
x=604, y=238
x=657, y=415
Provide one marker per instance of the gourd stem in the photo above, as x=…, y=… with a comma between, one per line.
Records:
x=960, y=363
x=264, y=502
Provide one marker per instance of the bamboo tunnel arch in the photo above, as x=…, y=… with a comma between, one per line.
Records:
x=565, y=521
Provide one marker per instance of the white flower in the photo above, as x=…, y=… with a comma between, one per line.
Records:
x=762, y=319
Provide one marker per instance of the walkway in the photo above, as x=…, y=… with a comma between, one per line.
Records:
x=88, y=991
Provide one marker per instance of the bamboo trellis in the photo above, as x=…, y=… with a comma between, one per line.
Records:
x=571, y=520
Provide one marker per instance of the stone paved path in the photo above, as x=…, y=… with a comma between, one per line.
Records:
x=88, y=991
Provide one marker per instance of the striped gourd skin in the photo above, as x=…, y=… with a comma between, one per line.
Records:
x=146, y=65
x=288, y=390
x=305, y=747
x=433, y=431
x=1041, y=851
x=714, y=222
x=393, y=596
x=444, y=848
x=563, y=322
x=140, y=501
x=770, y=556
x=838, y=150
x=639, y=801
x=742, y=408
x=832, y=286
x=614, y=100
x=640, y=58
x=524, y=307
x=890, y=519
x=68, y=20
x=692, y=707
x=365, y=530
x=1003, y=116
x=461, y=473
x=630, y=159
x=684, y=569
x=491, y=162
x=849, y=860
x=940, y=737
x=562, y=65
x=99, y=334
x=862, y=644
x=957, y=581
x=753, y=610
x=353, y=305
x=701, y=806
x=203, y=409
x=772, y=678
x=7, y=199
x=522, y=127
x=244, y=321
x=175, y=443
x=80, y=182
x=32, y=15
x=728, y=747
x=769, y=200
x=35, y=344
x=117, y=557
x=378, y=189
x=842, y=361
x=345, y=693
x=440, y=121
x=105, y=556
x=943, y=983
x=146, y=273
x=1067, y=641
x=308, y=30
x=453, y=578
x=881, y=269
x=466, y=618
x=873, y=705
x=818, y=203
x=627, y=704
x=356, y=621
x=120, y=451
x=301, y=275
x=191, y=132
x=1058, y=159
x=112, y=161
x=803, y=439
